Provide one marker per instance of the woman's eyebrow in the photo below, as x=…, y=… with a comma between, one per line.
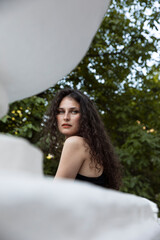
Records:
x=74, y=108
x=69, y=108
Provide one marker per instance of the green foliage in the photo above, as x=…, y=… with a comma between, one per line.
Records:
x=24, y=118
x=50, y=165
x=140, y=158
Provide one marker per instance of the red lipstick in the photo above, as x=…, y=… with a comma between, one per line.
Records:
x=65, y=125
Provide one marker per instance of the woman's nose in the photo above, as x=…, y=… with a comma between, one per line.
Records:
x=66, y=116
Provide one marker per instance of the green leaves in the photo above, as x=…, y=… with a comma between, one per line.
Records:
x=24, y=118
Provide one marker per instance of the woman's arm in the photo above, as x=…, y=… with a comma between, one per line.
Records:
x=72, y=158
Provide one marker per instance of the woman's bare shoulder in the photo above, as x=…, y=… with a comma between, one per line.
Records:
x=72, y=157
x=75, y=140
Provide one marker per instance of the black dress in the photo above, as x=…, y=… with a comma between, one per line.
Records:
x=100, y=181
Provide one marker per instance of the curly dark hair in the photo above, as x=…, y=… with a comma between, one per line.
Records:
x=92, y=130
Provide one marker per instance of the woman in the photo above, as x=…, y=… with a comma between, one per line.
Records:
x=87, y=152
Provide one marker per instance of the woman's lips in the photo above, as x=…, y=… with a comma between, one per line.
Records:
x=66, y=125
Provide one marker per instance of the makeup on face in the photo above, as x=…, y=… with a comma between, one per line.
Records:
x=68, y=116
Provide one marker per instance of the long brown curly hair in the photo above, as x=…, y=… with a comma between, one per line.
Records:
x=92, y=130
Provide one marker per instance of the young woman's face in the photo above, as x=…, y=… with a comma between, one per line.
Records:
x=68, y=116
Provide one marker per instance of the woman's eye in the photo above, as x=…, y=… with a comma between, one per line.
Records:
x=75, y=111
x=60, y=111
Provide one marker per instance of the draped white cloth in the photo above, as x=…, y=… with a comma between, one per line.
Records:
x=43, y=40
x=36, y=208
